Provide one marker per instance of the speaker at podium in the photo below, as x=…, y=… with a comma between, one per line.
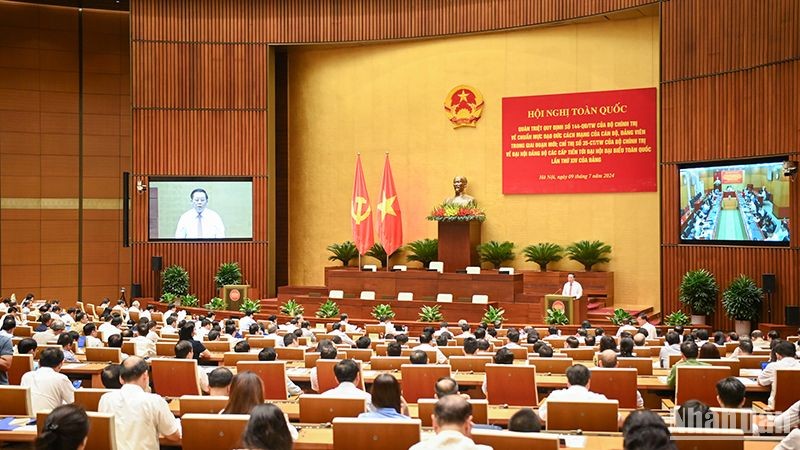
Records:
x=575, y=309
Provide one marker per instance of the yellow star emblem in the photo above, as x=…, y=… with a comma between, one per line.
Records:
x=463, y=96
x=385, y=206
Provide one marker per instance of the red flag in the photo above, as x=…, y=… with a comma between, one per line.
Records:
x=361, y=212
x=390, y=223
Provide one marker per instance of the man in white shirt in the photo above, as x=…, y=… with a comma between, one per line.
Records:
x=245, y=322
x=51, y=334
x=183, y=350
x=139, y=417
x=171, y=311
x=147, y=313
x=49, y=387
x=578, y=377
x=672, y=346
x=110, y=328
x=169, y=327
x=465, y=331
x=425, y=345
x=272, y=333
x=145, y=347
x=337, y=331
x=90, y=332
x=443, y=328
x=347, y=326
x=572, y=288
x=608, y=360
x=349, y=377
x=200, y=222
x=452, y=422
x=643, y=322
x=326, y=350
x=513, y=338
x=785, y=354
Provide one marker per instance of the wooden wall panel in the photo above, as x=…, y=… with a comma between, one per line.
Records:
x=730, y=75
x=295, y=21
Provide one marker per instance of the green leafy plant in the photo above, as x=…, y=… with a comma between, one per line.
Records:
x=168, y=298
x=216, y=304
x=742, y=299
x=248, y=305
x=543, y=254
x=328, y=310
x=190, y=301
x=493, y=315
x=699, y=291
x=449, y=212
x=344, y=252
x=496, y=252
x=381, y=312
x=176, y=281
x=556, y=317
x=620, y=317
x=228, y=273
x=589, y=253
x=677, y=318
x=423, y=250
x=292, y=308
x=430, y=314
x=378, y=252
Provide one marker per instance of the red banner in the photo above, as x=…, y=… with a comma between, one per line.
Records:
x=732, y=176
x=390, y=222
x=578, y=143
x=361, y=212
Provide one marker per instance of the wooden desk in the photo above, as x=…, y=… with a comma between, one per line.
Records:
x=80, y=370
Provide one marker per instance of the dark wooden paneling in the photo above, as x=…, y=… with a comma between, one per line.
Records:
x=294, y=21
x=729, y=90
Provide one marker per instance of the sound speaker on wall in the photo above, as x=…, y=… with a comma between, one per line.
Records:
x=136, y=290
x=768, y=282
x=793, y=316
x=156, y=263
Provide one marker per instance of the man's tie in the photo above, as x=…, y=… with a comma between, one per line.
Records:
x=200, y=225
x=570, y=288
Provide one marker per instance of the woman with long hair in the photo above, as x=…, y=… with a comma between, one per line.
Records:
x=386, y=399
x=268, y=428
x=65, y=428
x=247, y=392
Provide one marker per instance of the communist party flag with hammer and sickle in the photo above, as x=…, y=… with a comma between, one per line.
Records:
x=390, y=226
x=361, y=212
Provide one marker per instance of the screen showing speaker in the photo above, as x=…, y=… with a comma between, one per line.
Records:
x=735, y=202
x=200, y=209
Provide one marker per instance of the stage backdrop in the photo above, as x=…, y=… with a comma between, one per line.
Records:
x=375, y=98
x=581, y=142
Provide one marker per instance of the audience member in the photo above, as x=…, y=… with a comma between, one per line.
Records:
x=452, y=422
x=525, y=421
x=66, y=428
x=608, y=360
x=143, y=346
x=470, y=345
x=269, y=354
x=183, y=350
x=49, y=388
x=348, y=374
x=386, y=400
x=219, y=382
x=247, y=392
x=709, y=351
x=694, y=414
x=268, y=428
x=672, y=346
x=425, y=345
x=110, y=377
x=646, y=430
x=689, y=353
x=785, y=353
x=418, y=357
x=326, y=350
x=745, y=348
x=578, y=383
x=394, y=349
x=730, y=393
x=242, y=347
x=68, y=347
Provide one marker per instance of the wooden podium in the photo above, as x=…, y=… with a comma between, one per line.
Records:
x=458, y=242
x=234, y=294
x=575, y=309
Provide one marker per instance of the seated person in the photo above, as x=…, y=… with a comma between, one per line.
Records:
x=452, y=422
x=425, y=345
x=694, y=414
x=49, y=387
x=242, y=347
x=183, y=350
x=626, y=348
x=672, y=346
x=68, y=347
x=552, y=332
x=513, y=338
x=110, y=377
x=219, y=382
x=571, y=342
x=484, y=345
x=394, y=349
x=363, y=342
x=689, y=353
x=785, y=353
x=418, y=357
x=646, y=430
x=730, y=393
x=503, y=356
x=608, y=360
x=526, y=421
x=578, y=382
x=269, y=354
x=348, y=375
x=470, y=346
x=709, y=350
x=66, y=427
x=269, y=427
x=387, y=403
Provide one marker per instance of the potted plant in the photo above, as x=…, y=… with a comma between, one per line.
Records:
x=493, y=315
x=168, y=298
x=556, y=317
x=589, y=253
x=248, y=305
x=382, y=312
x=328, y=310
x=543, y=254
x=742, y=301
x=216, y=304
x=496, y=252
x=676, y=318
x=228, y=273
x=344, y=252
x=176, y=281
x=190, y=301
x=423, y=250
x=620, y=317
x=430, y=314
x=292, y=308
x=698, y=290
x=378, y=252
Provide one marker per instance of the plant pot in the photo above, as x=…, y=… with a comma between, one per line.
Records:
x=742, y=327
x=698, y=319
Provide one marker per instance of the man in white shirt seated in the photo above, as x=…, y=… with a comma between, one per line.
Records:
x=513, y=338
x=170, y=326
x=572, y=288
x=145, y=348
x=643, y=322
x=578, y=381
x=347, y=326
x=465, y=331
x=49, y=387
x=337, y=331
x=90, y=333
x=553, y=332
x=626, y=326
x=219, y=381
x=452, y=422
x=147, y=313
x=672, y=346
x=348, y=375
x=269, y=354
x=425, y=345
x=785, y=353
x=326, y=350
x=134, y=309
x=110, y=328
x=183, y=350
x=608, y=360
x=730, y=393
x=51, y=334
x=272, y=333
x=443, y=328
x=172, y=310
x=245, y=322
x=139, y=417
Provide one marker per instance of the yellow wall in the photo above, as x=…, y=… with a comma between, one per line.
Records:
x=389, y=97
